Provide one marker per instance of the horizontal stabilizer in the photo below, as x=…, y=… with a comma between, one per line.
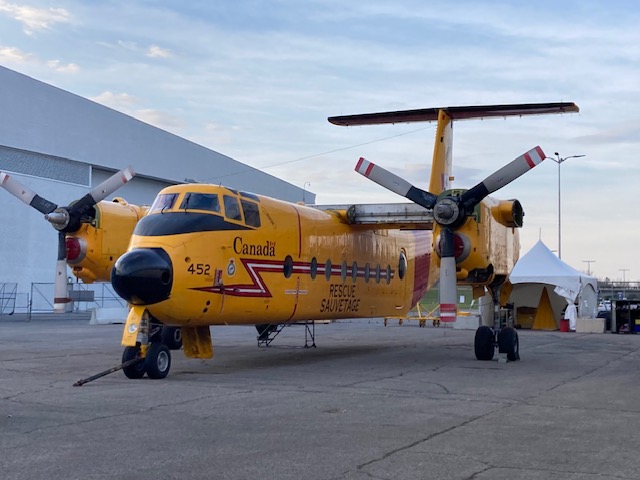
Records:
x=456, y=113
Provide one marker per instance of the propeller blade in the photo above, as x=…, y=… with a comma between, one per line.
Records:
x=60, y=295
x=502, y=177
x=392, y=182
x=102, y=191
x=448, y=283
x=25, y=194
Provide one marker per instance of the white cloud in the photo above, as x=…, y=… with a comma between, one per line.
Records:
x=35, y=19
x=118, y=101
x=154, y=51
x=63, y=68
x=15, y=55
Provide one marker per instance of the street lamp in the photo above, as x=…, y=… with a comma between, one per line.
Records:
x=559, y=161
x=589, y=262
x=624, y=282
x=304, y=192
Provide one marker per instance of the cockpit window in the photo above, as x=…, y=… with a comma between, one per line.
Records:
x=201, y=201
x=232, y=208
x=163, y=201
x=251, y=213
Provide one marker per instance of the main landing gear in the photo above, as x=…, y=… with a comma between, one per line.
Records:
x=502, y=335
x=505, y=339
x=155, y=358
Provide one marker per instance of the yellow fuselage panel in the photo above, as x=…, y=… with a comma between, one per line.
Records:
x=300, y=263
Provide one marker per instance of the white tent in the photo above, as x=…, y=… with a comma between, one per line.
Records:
x=541, y=269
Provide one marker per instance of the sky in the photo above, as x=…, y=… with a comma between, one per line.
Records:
x=256, y=80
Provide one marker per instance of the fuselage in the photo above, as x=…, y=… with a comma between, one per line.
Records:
x=239, y=258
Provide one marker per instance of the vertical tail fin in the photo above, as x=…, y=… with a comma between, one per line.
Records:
x=441, y=172
x=441, y=168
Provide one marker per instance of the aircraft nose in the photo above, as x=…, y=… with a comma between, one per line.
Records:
x=143, y=276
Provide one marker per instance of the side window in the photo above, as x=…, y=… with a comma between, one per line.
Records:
x=313, y=268
x=251, y=213
x=288, y=266
x=402, y=265
x=343, y=271
x=327, y=270
x=354, y=271
x=232, y=208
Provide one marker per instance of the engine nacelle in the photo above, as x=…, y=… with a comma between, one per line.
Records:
x=94, y=248
x=508, y=213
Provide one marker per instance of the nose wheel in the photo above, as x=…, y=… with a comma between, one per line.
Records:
x=156, y=363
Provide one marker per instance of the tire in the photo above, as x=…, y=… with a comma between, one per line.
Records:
x=158, y=361
x=508, y=343
x=137, y=370
x=483, y=343
x=171, y=337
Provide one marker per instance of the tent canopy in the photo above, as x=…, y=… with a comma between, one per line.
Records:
x=541, y=266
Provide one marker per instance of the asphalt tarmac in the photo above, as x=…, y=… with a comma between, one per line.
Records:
x=370, y=402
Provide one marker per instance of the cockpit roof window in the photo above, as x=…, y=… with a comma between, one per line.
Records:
x=164, y=201
x=201, y=201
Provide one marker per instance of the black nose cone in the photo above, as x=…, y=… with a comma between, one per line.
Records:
x=143, y=276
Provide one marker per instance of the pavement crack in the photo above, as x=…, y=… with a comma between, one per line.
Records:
x=424, y=440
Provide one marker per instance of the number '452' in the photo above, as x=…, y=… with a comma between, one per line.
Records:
x=199, y=269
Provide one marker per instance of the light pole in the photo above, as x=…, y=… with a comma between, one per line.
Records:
x=559, y=161
x=589, y=262
x=624, y=282
x=304, y=192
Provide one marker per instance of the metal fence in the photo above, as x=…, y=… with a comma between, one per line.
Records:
x=84, y=297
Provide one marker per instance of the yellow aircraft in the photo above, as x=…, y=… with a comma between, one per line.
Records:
x=205, y=255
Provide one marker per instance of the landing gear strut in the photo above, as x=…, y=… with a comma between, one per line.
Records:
x=502, y=335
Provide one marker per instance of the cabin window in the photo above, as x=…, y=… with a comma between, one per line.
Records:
x=163, y=201
x=232, y=208
x=378, y=273
x=201, y=201
x=367, y=272
x=388, y=274
x=327, y=270
x=354, y=271
x=288, y=266
x=314, y=268
x=343, y=272
x=402, y=265
x=251, y=213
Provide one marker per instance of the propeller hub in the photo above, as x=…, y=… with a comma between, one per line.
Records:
x=59, y=218
x=143, y=276
x=447, y=212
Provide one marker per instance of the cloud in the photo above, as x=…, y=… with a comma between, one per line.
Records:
x=63, y=68
x=117, y=101
x=35, y=19
x=15, y=55
x=159, y=119
x=154, y=51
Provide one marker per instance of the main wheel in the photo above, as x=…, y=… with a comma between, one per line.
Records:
x=158, y=360
x=483, y=343
x=508, y=343
x=136, y=370
x=171, y=337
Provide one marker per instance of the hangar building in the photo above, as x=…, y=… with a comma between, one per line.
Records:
x=61, y=145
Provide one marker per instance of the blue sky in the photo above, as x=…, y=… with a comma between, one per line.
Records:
x=256, y=80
